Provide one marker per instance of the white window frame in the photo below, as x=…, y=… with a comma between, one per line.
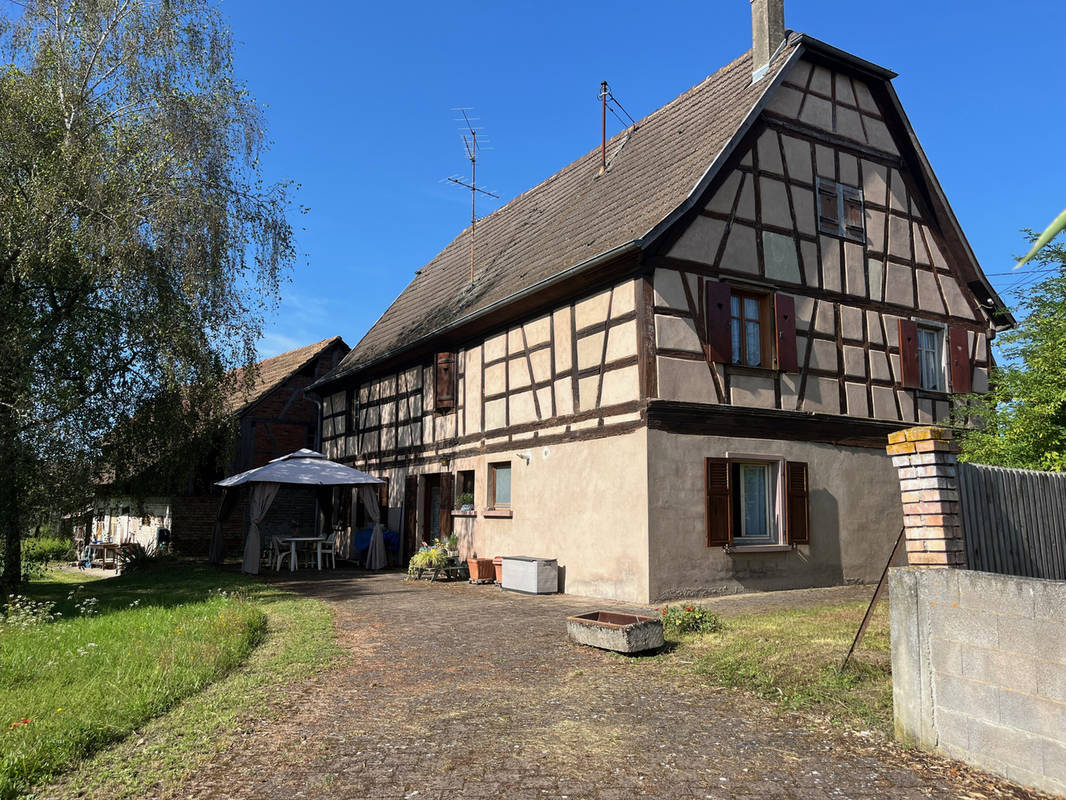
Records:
x=776, y=515
x=942, y=337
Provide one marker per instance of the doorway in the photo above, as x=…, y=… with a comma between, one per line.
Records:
x=431, y=499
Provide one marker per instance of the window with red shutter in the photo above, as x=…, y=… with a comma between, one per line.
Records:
x=756, y=503
x=445, y=384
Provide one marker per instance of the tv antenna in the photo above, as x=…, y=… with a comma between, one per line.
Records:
x=472, y=148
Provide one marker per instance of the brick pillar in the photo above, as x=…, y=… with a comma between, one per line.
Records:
x=928, y=481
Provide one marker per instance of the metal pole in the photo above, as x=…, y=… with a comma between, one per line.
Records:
x=473, y=197
x=873, y=601
x=603, y=126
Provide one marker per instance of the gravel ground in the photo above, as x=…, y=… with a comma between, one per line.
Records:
x=454, y=690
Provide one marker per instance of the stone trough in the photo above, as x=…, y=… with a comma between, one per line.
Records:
x=622, y=633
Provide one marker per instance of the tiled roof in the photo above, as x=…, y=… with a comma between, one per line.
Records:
x=577, y=213
x=272, y=372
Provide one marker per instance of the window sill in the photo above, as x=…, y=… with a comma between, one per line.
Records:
x=760, y=548
x=460, y=513
x=499, y=513
x=746, y=369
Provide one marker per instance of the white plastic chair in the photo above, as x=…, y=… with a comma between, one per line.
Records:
x=281, y=552
x=329, y=548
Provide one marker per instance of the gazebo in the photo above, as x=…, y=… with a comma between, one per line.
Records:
x=302, y=468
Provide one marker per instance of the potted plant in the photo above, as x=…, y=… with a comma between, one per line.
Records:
x=465, y=502
x=451, y=545
x=481, y=570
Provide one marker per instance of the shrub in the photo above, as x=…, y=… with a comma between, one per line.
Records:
x=690, y=619
x=429, y=558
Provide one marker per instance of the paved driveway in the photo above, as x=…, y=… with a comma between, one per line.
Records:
x=464, y=691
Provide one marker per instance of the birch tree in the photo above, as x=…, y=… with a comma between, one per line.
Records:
x=139, y=244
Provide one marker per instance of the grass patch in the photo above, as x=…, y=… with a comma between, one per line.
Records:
x=298, y=642
x=157, y=638
x=793, y=658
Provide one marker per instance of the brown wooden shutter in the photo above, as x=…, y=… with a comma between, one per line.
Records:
x=797, y=502
x=828, y=207
x=445, y=382
x=910, y=368
x=447, y=503
x=854, y=224
x=410, y=516
x=719, y=518
x=959, y=360
x=785, y=312
x=719, y=338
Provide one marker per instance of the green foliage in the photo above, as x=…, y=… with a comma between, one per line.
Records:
x=135, y=557
x=429, y=557
x=465, y=499
x=46, y=549
x=139, y=247
x=689, y=619
x=298, y=643
x=1021, y=422
x=120, y=652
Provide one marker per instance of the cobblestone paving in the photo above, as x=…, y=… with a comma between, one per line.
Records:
x=465, y=691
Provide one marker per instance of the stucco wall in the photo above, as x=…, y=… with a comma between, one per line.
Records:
x=855, y=517
x=583, y=503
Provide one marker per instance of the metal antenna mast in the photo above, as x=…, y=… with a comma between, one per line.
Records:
x=472, y=147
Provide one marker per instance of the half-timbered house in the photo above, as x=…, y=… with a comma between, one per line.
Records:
x=676, y=364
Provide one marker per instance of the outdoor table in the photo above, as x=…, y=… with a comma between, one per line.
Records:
x=292, y=540
x=103, y=549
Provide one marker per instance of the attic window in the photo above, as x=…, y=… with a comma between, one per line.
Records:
x=840, y=210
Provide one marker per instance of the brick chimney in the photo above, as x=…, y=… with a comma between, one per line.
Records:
x=767, y=32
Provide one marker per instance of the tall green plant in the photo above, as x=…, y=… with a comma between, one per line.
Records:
x=139, y=244
x=1021, y=422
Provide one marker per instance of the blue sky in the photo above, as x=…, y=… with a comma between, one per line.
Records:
x=359, y=99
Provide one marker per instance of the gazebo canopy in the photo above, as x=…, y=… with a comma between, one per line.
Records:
x=304, y=467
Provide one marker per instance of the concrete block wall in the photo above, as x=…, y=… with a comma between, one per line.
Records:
x=979, y=670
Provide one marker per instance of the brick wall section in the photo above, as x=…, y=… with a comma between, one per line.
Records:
x=979, y=670
x=925, y=459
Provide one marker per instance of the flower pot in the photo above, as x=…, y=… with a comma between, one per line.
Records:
x=497, y=563
x=480, y=569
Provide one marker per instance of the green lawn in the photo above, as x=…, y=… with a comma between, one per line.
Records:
x=793, y=658
x=152, y=657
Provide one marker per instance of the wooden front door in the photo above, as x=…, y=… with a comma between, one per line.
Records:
x=410, y=517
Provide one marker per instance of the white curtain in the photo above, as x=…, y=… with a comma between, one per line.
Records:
x=262, y=496
x=375, y=557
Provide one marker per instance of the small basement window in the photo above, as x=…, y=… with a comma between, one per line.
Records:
x=500, y=485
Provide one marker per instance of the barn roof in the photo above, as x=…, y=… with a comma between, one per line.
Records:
x=272, y=372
